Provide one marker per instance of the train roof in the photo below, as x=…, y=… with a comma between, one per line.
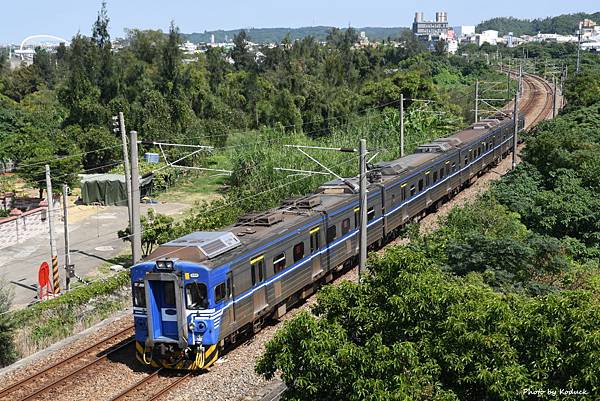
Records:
x=214, y=249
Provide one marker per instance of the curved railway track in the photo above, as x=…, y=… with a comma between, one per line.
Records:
x=536, y=104
x=54, y=376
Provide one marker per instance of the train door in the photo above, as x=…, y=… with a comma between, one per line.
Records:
x=257, y=270
x=427, y=186
x=163, y=309
x=231, y=297
x=315, y=245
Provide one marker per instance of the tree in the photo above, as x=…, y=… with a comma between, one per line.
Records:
x=106, y=76
x=23, y=81
x=80, y=94
x=156, y=229
x=44, y=64
x=58, y=153
x=171, y=60
x=243, y=59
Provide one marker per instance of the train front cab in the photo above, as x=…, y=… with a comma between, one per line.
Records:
x=176, y=321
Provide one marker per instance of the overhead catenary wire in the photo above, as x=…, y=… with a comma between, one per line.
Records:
x=286, y=183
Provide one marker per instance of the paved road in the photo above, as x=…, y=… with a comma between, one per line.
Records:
x=93, y=241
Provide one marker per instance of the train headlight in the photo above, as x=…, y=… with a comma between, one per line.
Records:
x=192, y=326
x=164, y=265
x=201, y=327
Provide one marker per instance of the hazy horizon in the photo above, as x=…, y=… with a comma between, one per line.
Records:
x=65, y=18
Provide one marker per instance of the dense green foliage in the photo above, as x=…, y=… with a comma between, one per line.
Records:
x=412, y=332
x=565, y=24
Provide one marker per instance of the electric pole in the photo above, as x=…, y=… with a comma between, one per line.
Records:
x=126, y=163
x=55, y=282
x=68, y=266
x=401, y=125
x=520, y=79
x=516, y=129
x=554, y=97
x=508, y=83
x=578, y=47
x=363, y=209
x=136, y=230
x=476, y=101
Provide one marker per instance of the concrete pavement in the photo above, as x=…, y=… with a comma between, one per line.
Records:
x=94, y=241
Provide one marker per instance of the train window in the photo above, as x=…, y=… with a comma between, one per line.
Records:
x=466, y=160
x=257, y=268
x=442, y=173
x=220, y=292
x=420, y=185
x=139, y=295
x=331, y=234
x=356, y=217
x=196, y=296
x=427, y=181
x=315, y=239
x=404, y=192
x=279, y=263
x=345, y=226
x=298, y=251
x=413, y=191
x=453, y=167
x=370, y=214
x=435, y=176
x=169, y=293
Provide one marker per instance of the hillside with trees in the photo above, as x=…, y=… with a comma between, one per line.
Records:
x=565, y=24
x=277, y=35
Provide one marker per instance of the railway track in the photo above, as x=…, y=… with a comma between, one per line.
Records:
x=54, y=376
x=144, y=388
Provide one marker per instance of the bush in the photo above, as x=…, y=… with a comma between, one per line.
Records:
x=412, y=332
x=8, y=352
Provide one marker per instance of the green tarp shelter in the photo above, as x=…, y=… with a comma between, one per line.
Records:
x=110, y=189
x=107, y=189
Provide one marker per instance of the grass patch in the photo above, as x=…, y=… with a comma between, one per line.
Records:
x=193, y=188
x=48, y=322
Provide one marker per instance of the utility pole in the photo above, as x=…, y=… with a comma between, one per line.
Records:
x=55, y=282
x=476, y=101
x=578, y=47
x=136, y=230
x=401, y=125
x=68, y=266
x=520, y=79
x=363, y=209
x=554, y=97
x=508, y=83
x=126, y=163
x=516, y=128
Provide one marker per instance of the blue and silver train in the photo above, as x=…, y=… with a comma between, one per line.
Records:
x=195, y=295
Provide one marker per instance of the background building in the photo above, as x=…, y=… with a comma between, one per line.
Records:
x=423, y=28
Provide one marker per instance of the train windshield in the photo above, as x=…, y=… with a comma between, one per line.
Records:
x=196, y=296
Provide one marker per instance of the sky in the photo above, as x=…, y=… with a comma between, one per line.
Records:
x=64, y=18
